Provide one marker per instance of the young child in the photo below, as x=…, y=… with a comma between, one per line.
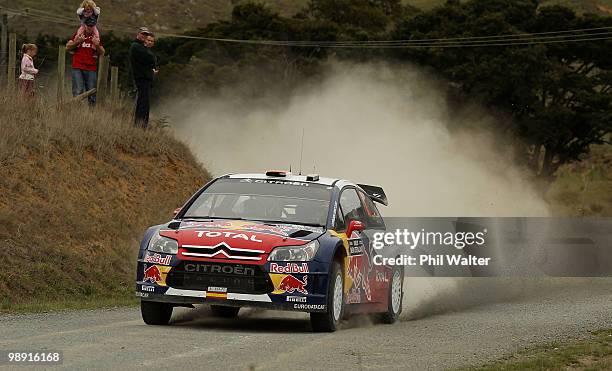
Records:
x=28, y=72
x=88, y=9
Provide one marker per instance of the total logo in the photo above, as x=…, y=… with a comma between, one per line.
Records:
x=152, y=274
x=289, y=268
x=291, y=284
x=214, y=234
x=158, y=259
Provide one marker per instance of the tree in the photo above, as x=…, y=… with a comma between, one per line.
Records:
x=559, y=95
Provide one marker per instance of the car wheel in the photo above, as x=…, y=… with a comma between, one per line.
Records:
x=154, y=313
x=224, y=312
x=396, y=294
x=327, y=322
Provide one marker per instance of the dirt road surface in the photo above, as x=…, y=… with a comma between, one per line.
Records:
x=458, y=335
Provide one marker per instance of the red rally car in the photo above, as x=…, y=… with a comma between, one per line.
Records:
x=274, y=240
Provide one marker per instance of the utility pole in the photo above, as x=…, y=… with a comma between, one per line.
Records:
x=3, y=53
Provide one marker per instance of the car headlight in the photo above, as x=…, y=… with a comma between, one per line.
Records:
x=294, y=253
x=163, y=244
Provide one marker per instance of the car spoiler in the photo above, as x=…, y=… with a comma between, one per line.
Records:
x=377, y=194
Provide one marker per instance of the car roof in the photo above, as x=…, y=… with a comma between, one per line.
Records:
x=288, y=177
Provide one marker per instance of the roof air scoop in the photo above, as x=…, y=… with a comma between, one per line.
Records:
x=277, y=173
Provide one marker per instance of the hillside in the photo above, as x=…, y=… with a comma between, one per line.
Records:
x=584, y=188
x=57, y=17
x=78, y=189
x=601, y=7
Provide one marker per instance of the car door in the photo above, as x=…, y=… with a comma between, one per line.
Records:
x=379, y=275
x=360, y=273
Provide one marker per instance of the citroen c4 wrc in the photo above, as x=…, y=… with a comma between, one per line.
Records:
x=273, y=240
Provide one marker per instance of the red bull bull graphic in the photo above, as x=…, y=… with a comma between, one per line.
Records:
x=359, y=271
x=152, y=274
x=290, y=284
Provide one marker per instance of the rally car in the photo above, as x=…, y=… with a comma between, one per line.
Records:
x=273, y=240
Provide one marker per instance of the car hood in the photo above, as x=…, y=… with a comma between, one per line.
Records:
x=220, y=240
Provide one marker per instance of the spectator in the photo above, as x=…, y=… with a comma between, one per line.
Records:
x=88, y=9
x=143, y=67
x=84, y=61
x=28, y=72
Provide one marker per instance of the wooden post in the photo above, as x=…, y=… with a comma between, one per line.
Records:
x=61, y=72
x=3, y=39
x=12, y=57
x=102, y=78
x=114, y=84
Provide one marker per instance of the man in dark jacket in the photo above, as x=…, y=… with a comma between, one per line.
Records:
x=142, y=66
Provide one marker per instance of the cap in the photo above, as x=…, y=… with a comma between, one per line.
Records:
x=145, y=31
x=90, y=22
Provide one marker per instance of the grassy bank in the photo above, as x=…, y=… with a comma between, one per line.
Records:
x=78, y=189
x=584, y=188
x=591, y=353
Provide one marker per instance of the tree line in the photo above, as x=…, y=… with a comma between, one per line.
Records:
x=557, y=95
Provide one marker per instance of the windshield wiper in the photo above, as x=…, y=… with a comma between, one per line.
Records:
x=289, y=222
x=255, y=220
x=212, y=218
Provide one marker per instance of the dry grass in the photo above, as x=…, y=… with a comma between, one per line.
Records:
x=78, y=189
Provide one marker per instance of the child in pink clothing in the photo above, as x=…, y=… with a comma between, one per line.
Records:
x=28, y=72
x=88, y=10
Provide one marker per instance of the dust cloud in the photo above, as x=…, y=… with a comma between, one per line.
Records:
x=374, y=124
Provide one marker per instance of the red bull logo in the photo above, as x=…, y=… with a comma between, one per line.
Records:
x=288, y=268
x=152, y=274
x=291, y=284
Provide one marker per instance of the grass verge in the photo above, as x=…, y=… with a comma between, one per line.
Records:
x=592, y=353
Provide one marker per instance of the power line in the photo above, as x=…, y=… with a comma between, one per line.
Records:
x=550, y=37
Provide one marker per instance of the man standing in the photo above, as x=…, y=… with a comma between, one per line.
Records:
x=84, y=61
x=142, y=65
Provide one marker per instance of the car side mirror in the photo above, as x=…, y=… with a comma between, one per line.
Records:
x=354, y=225
x=177, y=210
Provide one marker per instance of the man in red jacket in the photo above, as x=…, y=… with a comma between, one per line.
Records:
x=85, y=60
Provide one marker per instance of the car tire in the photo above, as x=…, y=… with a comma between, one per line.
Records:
x=395, y=298
x=224, y=311
x=154, y=313
x=329, y=321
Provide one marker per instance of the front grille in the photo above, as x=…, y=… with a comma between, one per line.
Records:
x=237, y=278
x=221, y=251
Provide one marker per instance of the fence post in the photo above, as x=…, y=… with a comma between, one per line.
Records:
x=102, y=78
x=3, y=39
x=114, y=84
x=61, y=72
x=11, y=60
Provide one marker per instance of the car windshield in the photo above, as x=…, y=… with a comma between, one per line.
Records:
x=268, y=200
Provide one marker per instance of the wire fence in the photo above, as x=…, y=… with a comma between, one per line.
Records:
x=51, y=83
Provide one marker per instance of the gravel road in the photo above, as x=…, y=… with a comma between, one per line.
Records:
x=460, y=332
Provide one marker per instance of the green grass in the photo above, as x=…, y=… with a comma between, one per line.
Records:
x=593, y=353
